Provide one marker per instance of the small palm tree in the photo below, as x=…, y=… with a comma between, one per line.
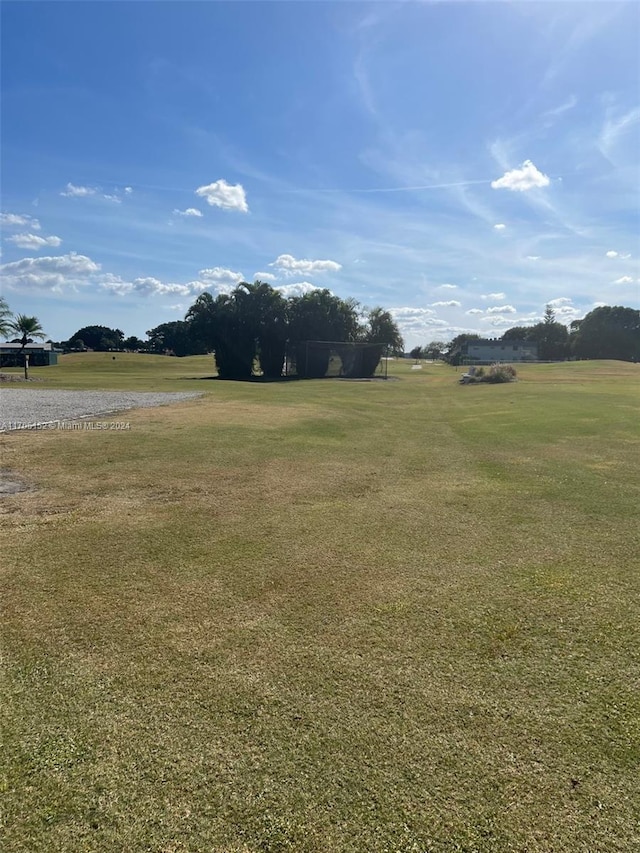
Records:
x=28, y=328
x=5, y=319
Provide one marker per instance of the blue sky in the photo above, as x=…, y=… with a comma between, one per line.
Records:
x=461, y=164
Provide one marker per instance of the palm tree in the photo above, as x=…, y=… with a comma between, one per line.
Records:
x=5, y=318
x=28, y=328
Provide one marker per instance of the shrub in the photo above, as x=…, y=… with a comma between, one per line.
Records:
x=498, y=373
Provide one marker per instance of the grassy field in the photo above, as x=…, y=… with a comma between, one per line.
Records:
x=317, y=616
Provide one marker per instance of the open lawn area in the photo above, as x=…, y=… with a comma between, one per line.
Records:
x=383, y=617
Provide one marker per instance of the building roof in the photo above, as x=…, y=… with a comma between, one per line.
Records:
x=16, y=345
x=492, y=342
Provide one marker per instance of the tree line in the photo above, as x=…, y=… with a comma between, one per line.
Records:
x=255, y=323
x=609, y=332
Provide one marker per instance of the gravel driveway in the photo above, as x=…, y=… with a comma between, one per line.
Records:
x=28, y=409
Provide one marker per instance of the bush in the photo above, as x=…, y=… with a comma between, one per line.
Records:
x=498, y=373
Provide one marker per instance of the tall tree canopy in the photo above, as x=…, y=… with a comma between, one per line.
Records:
x=453, y=354
x=319, y=316
x=177, y=337
x=5, y=319
x=381, y=328
x=434, y=350
x=100, y=338
x=517, y=333
x=551, y=337
x=608, y=332
x=266, y=310
x=226, y=326
x=29, y=329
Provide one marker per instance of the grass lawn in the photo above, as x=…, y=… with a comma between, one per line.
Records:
x=383, y=617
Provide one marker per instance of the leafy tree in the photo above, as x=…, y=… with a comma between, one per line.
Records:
x=225, y=325
x=416, y=353
x=517, y=333
x=100, y=338
x=552, y=337
x=29, y=329
x=434, y=350
x=134, y=343
x=269, y=316
x=381, y=328
x=176, y=337
x=5, y=318
x=608, y=332
x=454, y=350
x=319, y=316
x=200, y=320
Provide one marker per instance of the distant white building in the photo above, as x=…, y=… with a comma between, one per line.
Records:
x=495, y=351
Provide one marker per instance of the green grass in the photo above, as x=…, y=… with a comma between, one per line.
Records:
x=327, y=616
x=125, y=371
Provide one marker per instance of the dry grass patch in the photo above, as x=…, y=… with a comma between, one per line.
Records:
x=287, y=618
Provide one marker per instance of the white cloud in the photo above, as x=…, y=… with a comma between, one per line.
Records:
x=626, y=279
x=78, y=192
x=493, y=296
x=501, y=309
x=149, y=286
x=567, y=105
x=613, y=254
x=519, y=180
x=73, y=191
x=11, y=220
x=220, y=278
x=500, y=226
x=264, y=276
x=451, y=303
x=33, y=242
x=288, y=265
x=498, y=320
x=417, y=313
x=190, y=211
x=564, y=309
x=419, y=324
x=447, y=287
x=474, y=311
x=533, y=257
x=224, y=195
x=49, y=273
x=297, y=289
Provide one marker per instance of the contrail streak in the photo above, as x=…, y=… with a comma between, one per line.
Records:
x=389, y=189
